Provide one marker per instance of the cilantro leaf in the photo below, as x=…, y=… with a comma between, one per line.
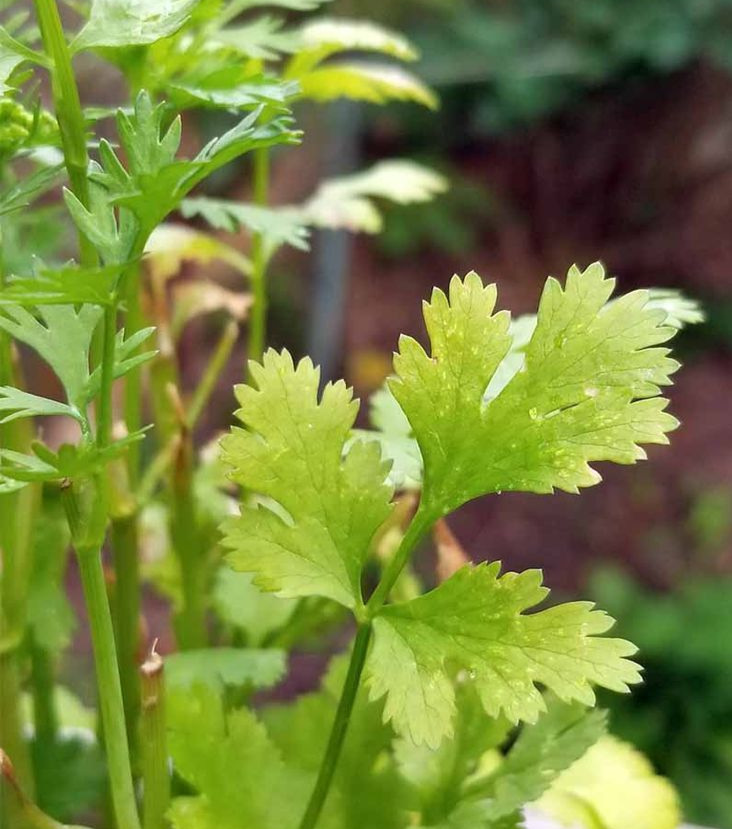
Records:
x=230, y=761
x=119, y=23
x=62, y=336
x=328, y=506
x=217, y=667
x=476, y=621
x=587, y=390
x=372, y=82
x=612, y=786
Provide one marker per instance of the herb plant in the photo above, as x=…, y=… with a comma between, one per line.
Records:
x=458, y=705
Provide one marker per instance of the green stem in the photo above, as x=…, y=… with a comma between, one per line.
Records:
x=155, y=775
x=418, y=528
x=212, y=373
x=88, y=553
x=44, y=708
x=258, y=313
x=340, y=726
x=69, y=114
x=133, y=382
x=104, y=420
x=127, y=616
x=191, y=622
x=24, y=811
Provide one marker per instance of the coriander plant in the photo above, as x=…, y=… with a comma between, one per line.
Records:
x=459, y=703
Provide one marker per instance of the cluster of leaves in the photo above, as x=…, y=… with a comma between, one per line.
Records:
x=474, y=701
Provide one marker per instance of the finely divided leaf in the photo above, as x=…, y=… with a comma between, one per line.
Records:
x=476, y=621
x=328, y=506
x=587, y=390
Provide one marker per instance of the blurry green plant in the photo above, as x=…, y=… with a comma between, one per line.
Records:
x=681, y=716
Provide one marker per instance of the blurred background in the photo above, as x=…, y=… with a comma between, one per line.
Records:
x=570, y=132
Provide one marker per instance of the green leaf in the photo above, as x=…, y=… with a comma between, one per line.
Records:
x=217, y=667
x=13, y=53
x=437, y=776
x=587, y=390
x=23, y=404
x=320, y=39
x=476, y=621
x=394, y=435
x=612, y=787
x=232, y=765
x=240, y=603
x=264, y=38
x=539, y=755
x=365, y=81
x=70, y=285
x=329, y=506
x=62, y=336
x=27, y=189
x=347, y=202
x=278, y=226
x=234, y=89
x=120, y=23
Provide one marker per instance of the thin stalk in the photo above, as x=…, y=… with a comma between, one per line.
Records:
x=67, y=105
x=418, y=528
x=104, y=419
x=44, y=708
x=133, y=382
x=155, y=774
x=340, y=726
x=185, y=535
x=210, y=376
x=258, y=313
x=127, y=616
x=18, y=803
x=88, y=553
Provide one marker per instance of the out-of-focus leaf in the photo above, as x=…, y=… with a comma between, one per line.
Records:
x=19, y=404
x=347, y=202
x=170, y=245
x=366, y=81
x=30, y=187
x=228, y=90
x=198, y=297
x=612, y=787
x=120, y=23
x=51, y=618
x=322, y=38
x=240, y=603
x=217, y=667
x=264, y=38
x=278, y=226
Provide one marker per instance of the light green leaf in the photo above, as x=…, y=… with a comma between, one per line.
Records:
x=612, y=787
x=240, y=603
x=587, y=390
x=394, y=434
x=347, y=202
x=120, y=23
x=264, y=38
x=217, y=667
x=680, y=310
x=23, y=192
x=365, y=81
x=291, y=450
x=476, y=621
x=322, y=38
x=20, y=403
x=232, y=90
x=233, y=766
x=12, y=54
